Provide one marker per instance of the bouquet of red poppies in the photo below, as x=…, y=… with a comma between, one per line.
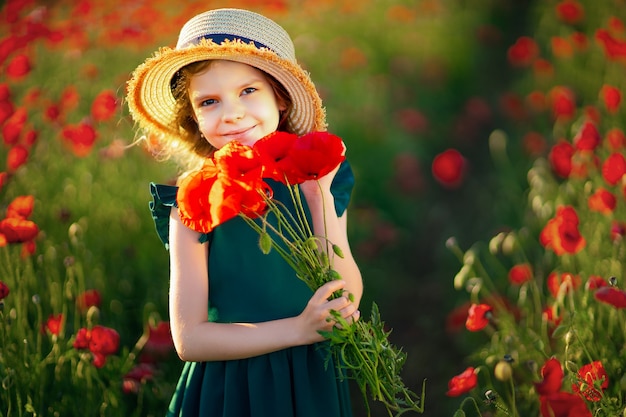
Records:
x=232, y=184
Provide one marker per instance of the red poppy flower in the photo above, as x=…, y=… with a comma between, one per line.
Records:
x=614, y=168
x=549, y=315
x=520, y=274
x=594, y=282
x=560, y=158
x=478, y=317
x=563, y=102
x=21, y=207
x=273, y=150
x=159, y=343
x=6, y=110
x=4, y=290
x=80, y=138
x=523, y=52
x=13, y=127
x=137, y=376
x=534, y=144
x=18, y=67
x=618, y=230
x=552, y=377
x=88, y=298
x=615, y=139
x=580, y=41
x=101, y=341
x=69, y=99
x=555, y=281
x=561, y=233
x=193, y=200
x=448, y=168
x=570, y=11
x=588, y=137
x=602, y=201
x=4, y=178
x=462, y=383
x=18, y=230
x=561, y=47
x=563, y=404
x=312, y=156
x=237, y=162
x=588, y=376
x=612, y=97
x=53, y=324
x=611, y=295
x=104, y=106
x=614, y=49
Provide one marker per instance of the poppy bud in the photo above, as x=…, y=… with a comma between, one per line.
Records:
x=265, y=243
x=337, y=251
x=503, y=371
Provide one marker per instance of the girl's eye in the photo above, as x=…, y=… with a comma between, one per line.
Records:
x=248, y=90
x=207, y=102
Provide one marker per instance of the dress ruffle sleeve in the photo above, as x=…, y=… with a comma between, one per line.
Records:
x=164, y=198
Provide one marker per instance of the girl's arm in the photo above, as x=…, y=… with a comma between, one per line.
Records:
x=325, y=221
x=196, y=339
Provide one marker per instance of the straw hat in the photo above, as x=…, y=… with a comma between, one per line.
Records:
x=230, y=34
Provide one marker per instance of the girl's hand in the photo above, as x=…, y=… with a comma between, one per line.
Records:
x=317, y=314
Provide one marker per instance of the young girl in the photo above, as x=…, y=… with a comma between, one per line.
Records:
x=247, y=328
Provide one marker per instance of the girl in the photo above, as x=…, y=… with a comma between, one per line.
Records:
x=247, y=328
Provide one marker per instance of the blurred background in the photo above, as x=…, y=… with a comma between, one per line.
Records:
x=432, y=98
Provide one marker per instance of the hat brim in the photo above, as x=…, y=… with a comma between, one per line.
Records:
x=152, y=104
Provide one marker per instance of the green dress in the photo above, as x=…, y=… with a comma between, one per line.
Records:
x=248, y=286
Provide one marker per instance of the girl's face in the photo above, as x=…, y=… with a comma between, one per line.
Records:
x=233, y=101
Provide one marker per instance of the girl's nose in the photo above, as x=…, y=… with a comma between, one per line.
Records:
x=232, y=110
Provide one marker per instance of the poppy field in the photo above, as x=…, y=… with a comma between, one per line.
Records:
x=488, y=216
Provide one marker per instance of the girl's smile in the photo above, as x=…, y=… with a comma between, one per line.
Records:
x=233, y=101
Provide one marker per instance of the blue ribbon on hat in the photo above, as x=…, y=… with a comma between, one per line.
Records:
x=221, y=37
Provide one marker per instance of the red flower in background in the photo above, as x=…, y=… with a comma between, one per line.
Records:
x=80, y=138
x=53, y=324
x=12, y=128
x=594, y=282
x=561, y=47
x=449, y=167
x=88, y=298
x=555, y=281
x=4, y=290
x=101, y=341
x=570, y=11
x=137, y=376
x=611, y=295
x=104, y=106
x=560, y=158
x=159, y=343
x=588, y=375
x=552, y=378
x=614, y=49
x=563, y=404
x=18, y=67
x=561, y=233
x=523, y=52
x=602, y=201
x=588, y=138
x=563, y=102
x=478, y=317
x=21, y=207
x=614, y=168
x=612, y=97
x=520, y=274
x=16, y=230
x=462, y=383
x=615, y=139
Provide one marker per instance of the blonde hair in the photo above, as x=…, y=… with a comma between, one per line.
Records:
x=190, y=148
